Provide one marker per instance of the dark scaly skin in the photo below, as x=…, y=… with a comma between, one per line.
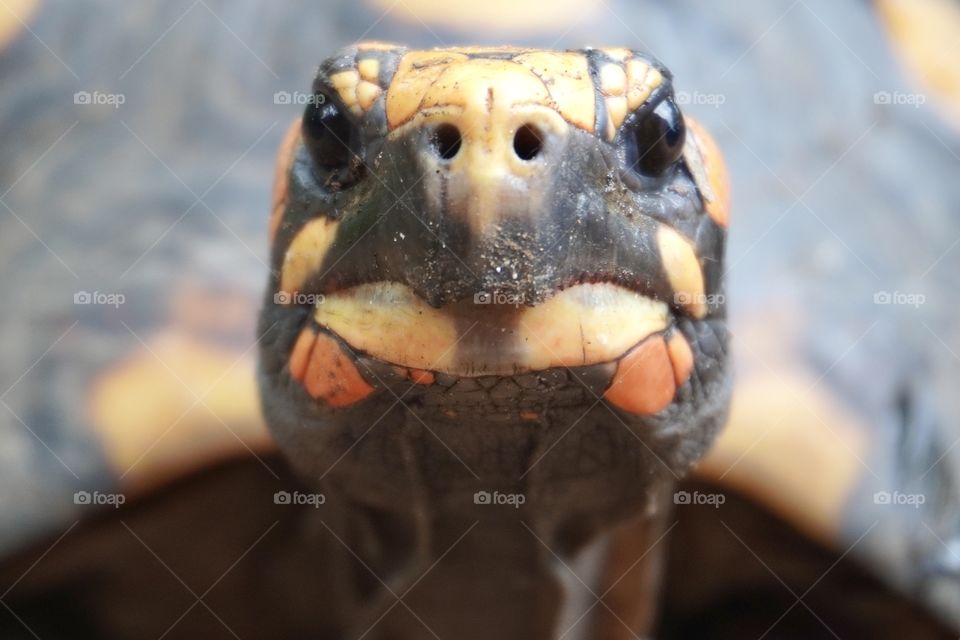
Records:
x=411, y=457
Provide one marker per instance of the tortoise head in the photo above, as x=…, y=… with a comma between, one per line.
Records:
x=496, y=233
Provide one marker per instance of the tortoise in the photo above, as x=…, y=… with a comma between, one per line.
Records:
x=825, y=508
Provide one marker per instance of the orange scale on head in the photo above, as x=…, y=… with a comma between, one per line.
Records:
x=644, y=381
x=281, y=180
x=331, y=376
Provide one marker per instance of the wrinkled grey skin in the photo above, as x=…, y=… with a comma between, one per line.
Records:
x=878, y=213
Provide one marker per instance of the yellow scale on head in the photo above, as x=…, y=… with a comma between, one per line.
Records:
x=451, y=77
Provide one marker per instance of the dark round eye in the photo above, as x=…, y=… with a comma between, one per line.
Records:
x=328, y=134
x=658, y=137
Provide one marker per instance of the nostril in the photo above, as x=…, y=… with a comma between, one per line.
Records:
x=446, y=141
x=528, y=142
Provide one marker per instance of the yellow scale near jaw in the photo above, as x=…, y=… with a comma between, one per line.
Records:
x=683, y=271
x=306, y=253
x=583, y=325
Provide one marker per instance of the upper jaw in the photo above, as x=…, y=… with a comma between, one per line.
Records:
x=527, y=263
x=492, y=334
x=562, y=316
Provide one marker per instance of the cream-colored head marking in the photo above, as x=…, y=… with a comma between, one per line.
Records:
x=457, y=83
x=488, y=95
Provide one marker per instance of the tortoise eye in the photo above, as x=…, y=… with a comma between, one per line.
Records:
x=656, y=139
x=329, y=135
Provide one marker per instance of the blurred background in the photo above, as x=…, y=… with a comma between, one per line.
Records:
x=138, y=149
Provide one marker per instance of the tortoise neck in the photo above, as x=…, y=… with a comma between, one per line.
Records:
x=507, y=507
x=497, y=566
